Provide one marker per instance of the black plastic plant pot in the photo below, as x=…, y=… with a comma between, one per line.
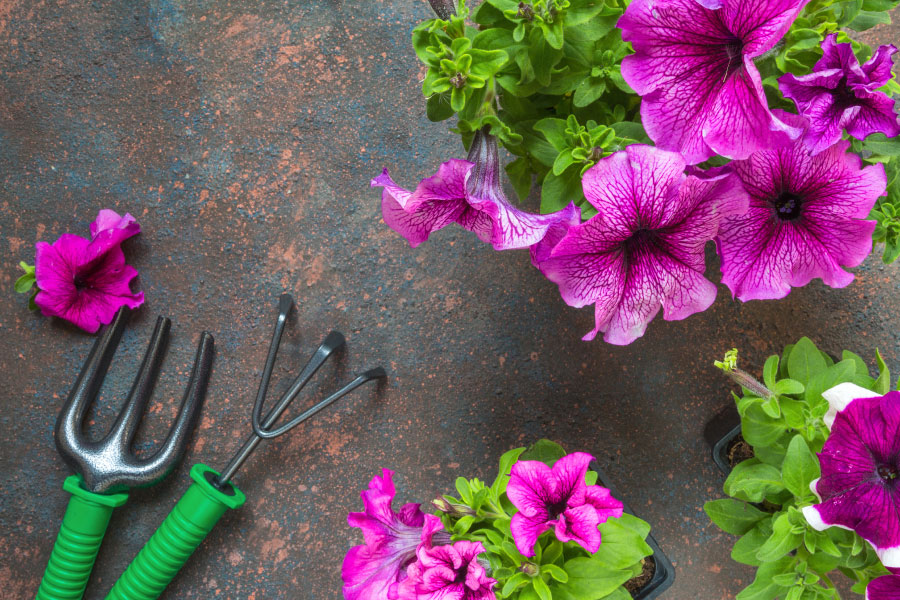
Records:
x=664, y=572
x=722, y=433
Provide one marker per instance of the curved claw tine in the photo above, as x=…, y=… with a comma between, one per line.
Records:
x=126, y=423
x=332, y=342
x=68, y=425
x=376, y=373
x=285, y=303
x=177, y=439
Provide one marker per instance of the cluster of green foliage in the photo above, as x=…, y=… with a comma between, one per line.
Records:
x=26, y=284
x=544, y=75
x=558, y=571
x=781, y=418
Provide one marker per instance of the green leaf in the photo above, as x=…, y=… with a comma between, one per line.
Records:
x=519, y=173
x=770, y=371
x=860, y=365
x=745, y=549
x=24, y=283
x=555, y=132
x=800, y=467
x=540, y=586
x=752, y=481
x=782, y=540
x=805, y=361
x=636, y=524
x=437, y=107
x=558, y=190
x=758, y=428
x=733, y=516
x=465, y=491
x=788, y=386
x=26, y=267
x=883, y=383
x=563, y=162
x=867, y=19
x=545, y=451
x=622, y=546
x=513, y=583
x=762, y=587
x=589, y=580
x=555, y=572
x=880, y=144
x=507, y=460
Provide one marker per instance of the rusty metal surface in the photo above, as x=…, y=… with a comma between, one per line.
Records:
x=243, y=135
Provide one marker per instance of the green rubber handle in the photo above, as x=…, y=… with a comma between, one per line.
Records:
x=193, y=517
x=78, y=542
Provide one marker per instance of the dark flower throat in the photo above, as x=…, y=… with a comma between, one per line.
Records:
x=788, y=206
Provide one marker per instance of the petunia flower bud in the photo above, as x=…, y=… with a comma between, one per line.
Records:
x=530, y=569
x=443, y=8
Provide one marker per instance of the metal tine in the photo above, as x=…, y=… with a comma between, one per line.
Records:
x=126, y=424
x=90, y=379
x=332, y=342
x=285, y=303
x=176, y=441
x=376, y=373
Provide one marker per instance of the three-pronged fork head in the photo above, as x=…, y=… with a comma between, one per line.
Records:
x=109, y=465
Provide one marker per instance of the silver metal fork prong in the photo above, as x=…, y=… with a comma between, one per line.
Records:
x=176, y=441
x=126, y=425
x=71, y=419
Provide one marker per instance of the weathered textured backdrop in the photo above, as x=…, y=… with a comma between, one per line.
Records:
x=243, y=134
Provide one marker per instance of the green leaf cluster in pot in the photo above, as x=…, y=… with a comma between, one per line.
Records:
x=781, y=418
x=534, y=61
x=557, y=571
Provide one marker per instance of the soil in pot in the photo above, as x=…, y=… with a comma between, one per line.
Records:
x=738, y=451
x=636, y=584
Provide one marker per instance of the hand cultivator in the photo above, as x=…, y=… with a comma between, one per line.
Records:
x=107, y=469
x=212, y=493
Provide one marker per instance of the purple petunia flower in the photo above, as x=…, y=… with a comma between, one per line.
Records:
x=374, y=570
x=86, y=282
x=448, y=573
x=860, y=484
x=886, y=587
x=693, y=65
x=467, y=192
x=644, y=249
x=840, y=94
x=558, y=498
x=806, y=220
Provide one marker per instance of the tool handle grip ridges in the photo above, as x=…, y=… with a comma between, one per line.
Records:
x=173, y=543
x=80, y=535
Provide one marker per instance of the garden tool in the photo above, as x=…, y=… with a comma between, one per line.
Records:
x=107, y=469
x=211, y=494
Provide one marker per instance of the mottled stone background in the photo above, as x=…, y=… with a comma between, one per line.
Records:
x=243, y=134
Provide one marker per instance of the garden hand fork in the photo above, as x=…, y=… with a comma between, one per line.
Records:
x=107, y=469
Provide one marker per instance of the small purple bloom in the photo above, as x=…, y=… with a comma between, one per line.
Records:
x=86, y=282
x=450, y=572
x=374, y=570
x=558, y=498
x=806, y=220
x=467, y=192
x=644, y=249
x=884, y=588
x=860, y=484
x=693, y=66
x=840, y=94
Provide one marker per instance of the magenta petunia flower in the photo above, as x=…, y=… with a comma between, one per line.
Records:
x=86, y=282
x=860, y=484
x=806, y=220
x=840, y=94
x=693, y=66
x=450, y=572
x=644, y=249
x=558, y=498
x=886, y=587
x=467, y=192
x=374, y=570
